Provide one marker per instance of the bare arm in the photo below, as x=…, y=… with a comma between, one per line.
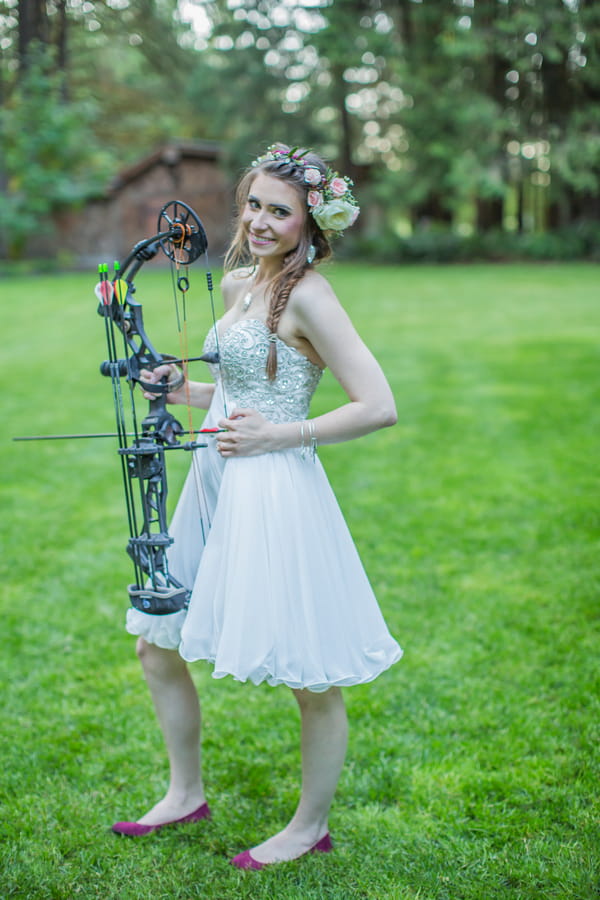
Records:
x=195, y=393
x=317, y=319
x=328, y=329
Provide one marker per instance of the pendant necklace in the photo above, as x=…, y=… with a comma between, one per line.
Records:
x=248, y=298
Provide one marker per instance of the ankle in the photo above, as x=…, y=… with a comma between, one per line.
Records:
x=310, y=830
x=185, y=796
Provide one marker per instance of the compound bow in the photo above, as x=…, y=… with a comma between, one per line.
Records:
x=181, y=236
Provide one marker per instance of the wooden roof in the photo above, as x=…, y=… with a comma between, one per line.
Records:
x=168, y=155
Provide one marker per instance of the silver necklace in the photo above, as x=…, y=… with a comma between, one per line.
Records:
x=248, y=298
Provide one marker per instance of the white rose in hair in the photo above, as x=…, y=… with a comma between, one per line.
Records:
x=336, y=215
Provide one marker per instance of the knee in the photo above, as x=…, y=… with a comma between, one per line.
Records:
x=324, y=701
x=304, y=699
x=157, y=661
x=143, y=650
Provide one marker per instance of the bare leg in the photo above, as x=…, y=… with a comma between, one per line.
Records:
x=324, y=740
x=178, y=711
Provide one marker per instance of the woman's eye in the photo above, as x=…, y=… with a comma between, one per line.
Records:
x=253, y=204
x=281, y=213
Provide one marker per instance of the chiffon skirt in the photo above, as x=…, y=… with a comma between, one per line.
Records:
x=279, y=593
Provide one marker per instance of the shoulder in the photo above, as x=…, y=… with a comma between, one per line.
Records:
x=233, y=283
x=315, y=305
x=235, y=277
x=311, y=295
x=315, y=315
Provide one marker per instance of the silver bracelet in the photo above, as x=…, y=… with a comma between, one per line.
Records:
x=308, y=448
x=313, y=439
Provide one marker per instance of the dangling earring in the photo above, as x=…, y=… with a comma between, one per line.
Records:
x=311, y=253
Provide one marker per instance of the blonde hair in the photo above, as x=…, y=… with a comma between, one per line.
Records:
x=295, y=263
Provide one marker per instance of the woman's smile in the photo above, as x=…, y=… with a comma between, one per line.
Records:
x=259, y=239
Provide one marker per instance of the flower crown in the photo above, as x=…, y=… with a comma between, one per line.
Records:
x=330, y=199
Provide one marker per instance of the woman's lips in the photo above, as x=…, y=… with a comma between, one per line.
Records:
x=261, y=241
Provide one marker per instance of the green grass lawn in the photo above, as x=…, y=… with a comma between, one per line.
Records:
x=472, y=770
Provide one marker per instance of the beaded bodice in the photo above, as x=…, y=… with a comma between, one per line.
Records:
x=243, y=350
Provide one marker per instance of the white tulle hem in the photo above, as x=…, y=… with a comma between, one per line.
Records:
x=163, y=631
x=315, y=684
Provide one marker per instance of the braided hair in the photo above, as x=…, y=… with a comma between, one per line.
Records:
x=295, y=263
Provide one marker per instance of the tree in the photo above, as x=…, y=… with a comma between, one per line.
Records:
x=484, y=112
x=496, y=91
x=81, y=99
x=48, y=167
x=128, y=55
x=33, y=27
x=298, y=73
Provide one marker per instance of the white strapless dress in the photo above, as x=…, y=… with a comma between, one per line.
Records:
x=279, y=593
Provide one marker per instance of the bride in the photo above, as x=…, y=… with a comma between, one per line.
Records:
x=278, y=592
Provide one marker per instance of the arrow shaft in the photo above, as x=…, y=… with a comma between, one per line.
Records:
x=105, y=434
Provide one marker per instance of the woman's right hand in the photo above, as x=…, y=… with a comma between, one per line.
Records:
x=172, y=374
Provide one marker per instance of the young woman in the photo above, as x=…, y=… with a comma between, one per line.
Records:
x=278, y=590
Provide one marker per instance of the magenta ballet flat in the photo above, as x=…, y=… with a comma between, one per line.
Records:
x=134, y=829
x=245, y=860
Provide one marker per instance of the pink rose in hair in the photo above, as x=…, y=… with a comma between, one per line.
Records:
x=312, y=175
x=315, y=198
x=338, y=187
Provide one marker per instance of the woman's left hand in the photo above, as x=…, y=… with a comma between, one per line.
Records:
x=247, y=433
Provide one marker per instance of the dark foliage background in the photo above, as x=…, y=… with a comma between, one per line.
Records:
x=458, y=118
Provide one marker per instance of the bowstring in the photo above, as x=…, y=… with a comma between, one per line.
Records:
x=183, y=333
x=182, y=327
x=209, y=284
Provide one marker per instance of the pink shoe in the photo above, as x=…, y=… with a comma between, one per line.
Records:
x=245, y=860
x=134, y=829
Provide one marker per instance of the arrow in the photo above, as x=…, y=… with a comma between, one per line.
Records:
x=104, y=434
